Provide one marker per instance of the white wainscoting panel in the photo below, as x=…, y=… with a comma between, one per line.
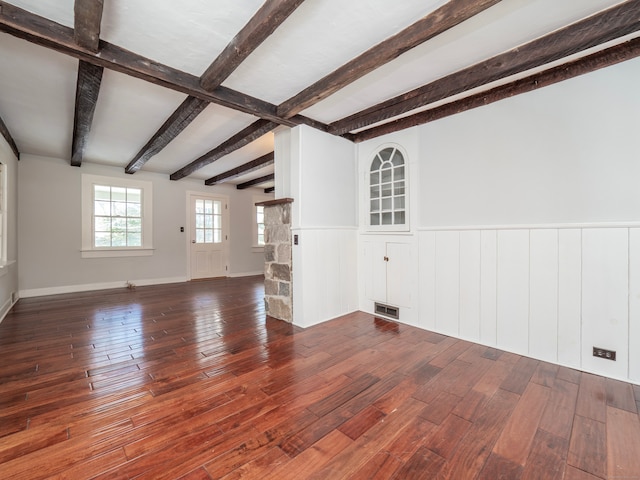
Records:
x=513, y=290
x=325, y=274
x=427, y=266
x=374, y=268
x=470, y=285
x=399, y=272
x=488, y=287
x=605, y=300
x=548, y=292
x=634, y=304
x=569, y=296
x=543, y=295
x=448, y=282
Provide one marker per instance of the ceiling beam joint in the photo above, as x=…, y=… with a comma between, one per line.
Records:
x=265, y=21
x=86, y=21
x=46, y=33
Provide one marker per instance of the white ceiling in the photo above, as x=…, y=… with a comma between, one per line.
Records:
x=37, y=85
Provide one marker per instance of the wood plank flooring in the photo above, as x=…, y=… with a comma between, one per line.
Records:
x=191, y=381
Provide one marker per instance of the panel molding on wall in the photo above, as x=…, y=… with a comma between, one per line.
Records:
x=605, y=299
x=325, y=271
x=547, y=293
x=634, y=305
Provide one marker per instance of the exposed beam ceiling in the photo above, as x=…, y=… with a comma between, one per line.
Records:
x=590, y=63
x=442, y=19
x=269, y=17
x=49, y=34
x=239, y=140
x=87, y=18
x=256, y=181
x=608, y=25
x=252, y=166
x=261, y=25
x=87, y=90
x=7, y=136
x=395, y=66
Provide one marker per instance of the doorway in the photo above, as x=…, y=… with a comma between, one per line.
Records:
x=208, y=236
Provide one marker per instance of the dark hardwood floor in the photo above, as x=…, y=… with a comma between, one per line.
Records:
x=191, y=381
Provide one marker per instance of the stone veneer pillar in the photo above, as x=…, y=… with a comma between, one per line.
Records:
x=278, y=272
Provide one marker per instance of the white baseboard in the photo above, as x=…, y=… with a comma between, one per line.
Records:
x=39, y=292
x=246, y=274
x=6, y=307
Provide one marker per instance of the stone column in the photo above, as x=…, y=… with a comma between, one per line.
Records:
x=278, y=272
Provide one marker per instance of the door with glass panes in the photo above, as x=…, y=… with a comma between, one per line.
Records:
x=209, y=237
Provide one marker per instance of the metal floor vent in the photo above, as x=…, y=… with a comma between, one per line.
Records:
x=387, y=310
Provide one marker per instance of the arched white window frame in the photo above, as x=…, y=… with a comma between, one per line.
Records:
x=396, y=205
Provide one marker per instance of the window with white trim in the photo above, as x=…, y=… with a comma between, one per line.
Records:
x=387, y=190
x=259, y=235
x=257, y=221
x=208, y=221
x=116, y=217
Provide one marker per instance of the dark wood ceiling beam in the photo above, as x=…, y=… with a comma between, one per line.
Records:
x=86, y=33
x=170, y=129
x=87, y=91
x=440, y=20
x=270, y=190
x=590, y=63
x=86, y=21
x=269, y=17
x=256, y=181
x=239, y=140
x=252, y=166
x=261, y=25
x=7, y=136
x=608, y=25
x=41, y=31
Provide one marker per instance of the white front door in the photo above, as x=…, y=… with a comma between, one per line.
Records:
x=208, y=231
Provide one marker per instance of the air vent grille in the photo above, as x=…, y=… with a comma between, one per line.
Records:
x=387, y=310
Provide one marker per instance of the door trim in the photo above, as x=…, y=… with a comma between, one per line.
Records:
x=225, y=228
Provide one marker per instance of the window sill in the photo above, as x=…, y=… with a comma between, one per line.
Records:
x=388, y=228
x=257, y=248
x=4, y=265
x=113, y=252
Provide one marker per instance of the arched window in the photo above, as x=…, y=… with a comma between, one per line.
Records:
x=387, y=189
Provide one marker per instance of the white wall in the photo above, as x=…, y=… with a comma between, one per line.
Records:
x=567, y=153
x=322, y=179
x=49, y=228
x=322, y=174
x=9, y=272
x=527, y=230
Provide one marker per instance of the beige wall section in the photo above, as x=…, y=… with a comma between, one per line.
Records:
x=9, y=272
x=50, y=230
